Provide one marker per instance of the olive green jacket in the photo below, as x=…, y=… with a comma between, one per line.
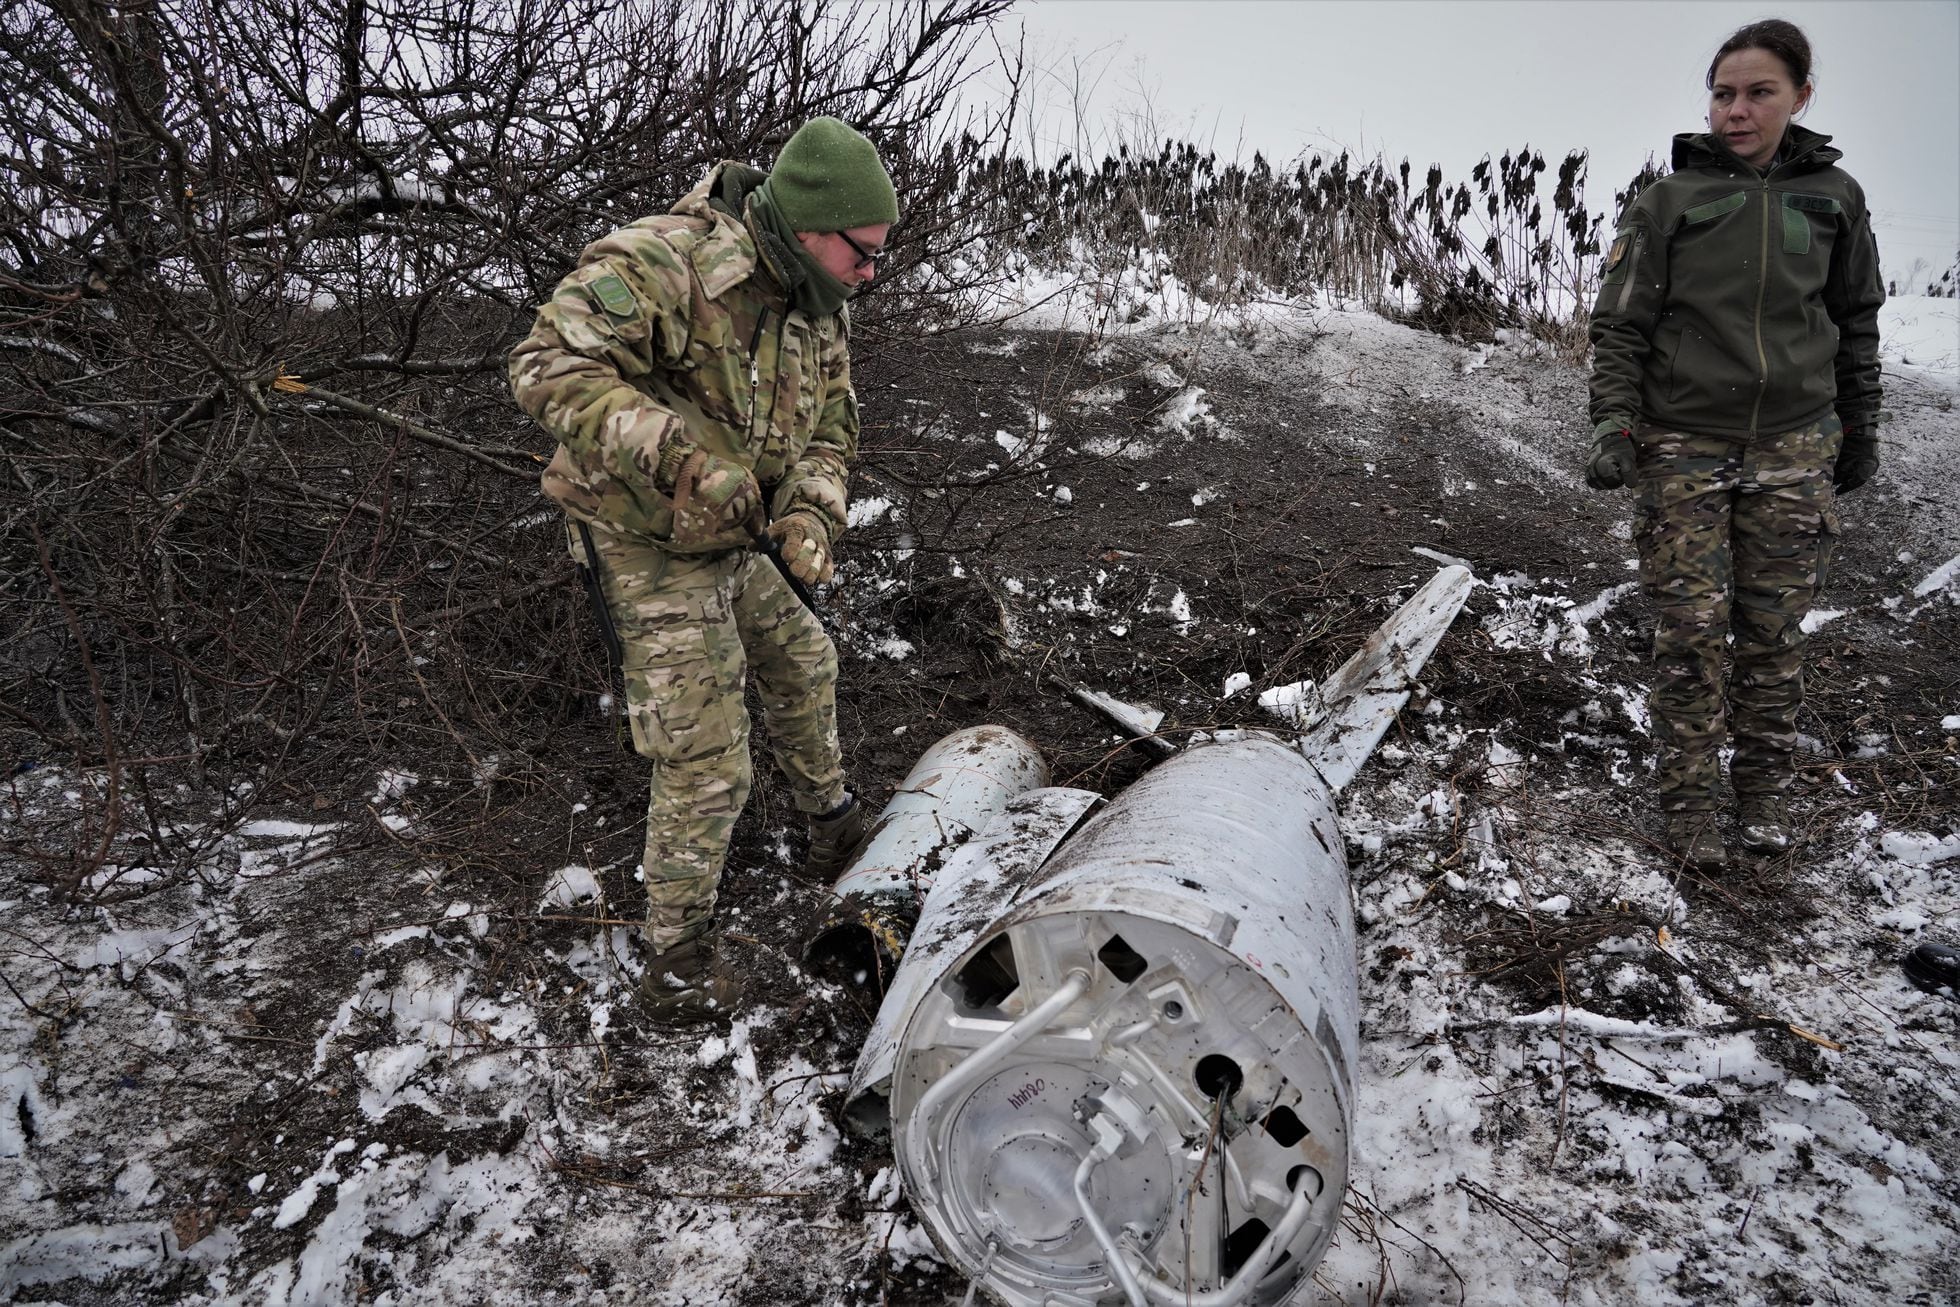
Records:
x=672, y=328
x=1736, y=301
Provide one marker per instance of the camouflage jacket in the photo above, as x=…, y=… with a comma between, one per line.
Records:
x=1736, y=301
x=671, y=327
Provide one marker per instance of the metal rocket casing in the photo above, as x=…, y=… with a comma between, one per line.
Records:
x=955, y=789
x=1203, y=919
x=1120, y=1068
x=974, y=884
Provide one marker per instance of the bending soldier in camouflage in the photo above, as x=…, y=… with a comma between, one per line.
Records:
x=1735, y=384
x=695, y=370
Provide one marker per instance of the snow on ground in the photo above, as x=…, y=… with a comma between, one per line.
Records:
x=1706, y=1152
x=1923, y=335
x=1734, y=1096
x=121, y=1013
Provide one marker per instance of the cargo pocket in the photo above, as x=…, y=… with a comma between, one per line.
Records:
x=683, y=665
x=1827, y=537
x=1647, y=528
x=680, y=706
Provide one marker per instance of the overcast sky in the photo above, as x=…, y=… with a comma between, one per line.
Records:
x=1448, y=81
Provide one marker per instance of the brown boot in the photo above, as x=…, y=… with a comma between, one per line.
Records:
x=834, y=840
x=1694, y=839
x=1765, y=824
x=689, y=985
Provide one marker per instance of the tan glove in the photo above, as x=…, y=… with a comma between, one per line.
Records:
x=806, y=547
x=712, y=496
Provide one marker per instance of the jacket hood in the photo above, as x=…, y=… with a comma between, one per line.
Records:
x=1807, y=151
x=710, y=197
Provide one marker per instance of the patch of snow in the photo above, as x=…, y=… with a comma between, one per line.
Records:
x=1185, y=410
x=1922, y=334
x=569, y=885
x=79, y=1252
x=1920, y=850
x=1179, y=609
x=270, y=827
x=392, y=784
x=300, y=1201
x=863, y=512
x=1552, y=623
x=1941, y=578
x=1299, y=704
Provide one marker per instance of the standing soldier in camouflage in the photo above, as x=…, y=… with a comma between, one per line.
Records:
x=695, y=369
x=1735, y=384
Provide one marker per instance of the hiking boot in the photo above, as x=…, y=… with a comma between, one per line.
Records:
x=1934, y=967
x=1764, y=822
x=835, y=839
x=1693, y=838
x=689, y=985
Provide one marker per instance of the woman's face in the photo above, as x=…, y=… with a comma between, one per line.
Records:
x=1752, y=102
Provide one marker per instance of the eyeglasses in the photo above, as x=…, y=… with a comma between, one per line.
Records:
x=866, y=258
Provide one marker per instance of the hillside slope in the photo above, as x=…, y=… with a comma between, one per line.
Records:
x=386, y=1051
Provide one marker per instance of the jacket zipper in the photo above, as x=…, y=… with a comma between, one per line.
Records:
x=755, y=365
x=776, y=387
x=1762, y=286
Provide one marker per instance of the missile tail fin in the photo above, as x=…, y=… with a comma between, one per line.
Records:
x=1361, y=698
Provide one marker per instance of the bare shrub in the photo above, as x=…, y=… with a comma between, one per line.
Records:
x=1464, y=259
x=267, y=510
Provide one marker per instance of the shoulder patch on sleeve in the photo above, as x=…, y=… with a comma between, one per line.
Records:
x=1618, y=252
x=613, y=295
x=1620, y=255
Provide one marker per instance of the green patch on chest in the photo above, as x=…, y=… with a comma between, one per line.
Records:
x=1714, y=209
x=1796, y=219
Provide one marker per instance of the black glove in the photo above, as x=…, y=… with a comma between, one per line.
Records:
x=1857, y=460
x=1609, y=465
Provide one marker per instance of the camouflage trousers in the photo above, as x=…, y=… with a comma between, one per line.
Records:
x=690, y=629
x=1735, y=542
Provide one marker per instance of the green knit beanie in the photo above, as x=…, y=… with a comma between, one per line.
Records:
x=828, y=178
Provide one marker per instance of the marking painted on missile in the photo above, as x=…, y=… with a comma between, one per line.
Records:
x=1026, y=1094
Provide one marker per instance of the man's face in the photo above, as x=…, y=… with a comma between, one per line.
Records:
x=850, y=256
